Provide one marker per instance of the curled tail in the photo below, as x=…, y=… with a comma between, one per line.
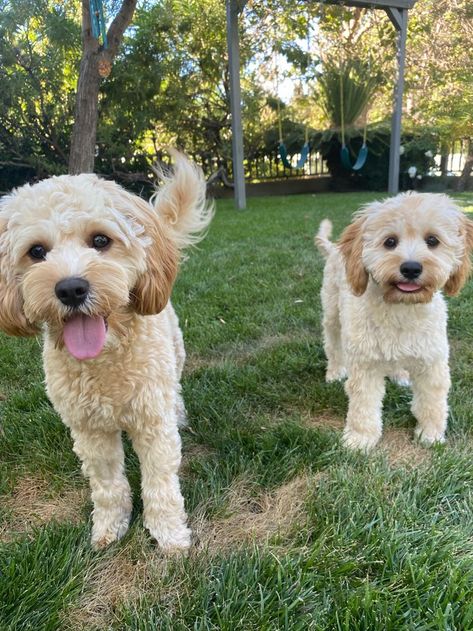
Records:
x=322, y=238
x=181, y=201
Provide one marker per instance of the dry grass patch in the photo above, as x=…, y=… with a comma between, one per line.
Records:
x=325, y=420
x=116, y=579
x=122, y=578
x=192, y=452
x=402, y=450
x=32, y=504
x=255, y=519
x=238, y=354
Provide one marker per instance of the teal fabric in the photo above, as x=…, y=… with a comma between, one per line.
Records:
x=304, y=155
x=97, y=21
x=302, y=160
x=283, y=155
x=360, y=161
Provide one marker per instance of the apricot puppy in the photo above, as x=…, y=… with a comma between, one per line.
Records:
x=92, y=267
x=383, y=310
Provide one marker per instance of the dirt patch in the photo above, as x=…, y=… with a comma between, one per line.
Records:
x=402, y=450
x=254, y=519
x=33, y=504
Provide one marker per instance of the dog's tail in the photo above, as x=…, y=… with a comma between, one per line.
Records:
x=322, y=238
x=181, y=201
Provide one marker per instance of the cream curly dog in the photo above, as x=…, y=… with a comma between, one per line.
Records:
x=93, y=266
x=384, y=314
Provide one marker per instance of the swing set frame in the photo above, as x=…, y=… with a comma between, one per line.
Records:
x=397, y=11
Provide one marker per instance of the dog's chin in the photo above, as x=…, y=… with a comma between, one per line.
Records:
x=408, y=293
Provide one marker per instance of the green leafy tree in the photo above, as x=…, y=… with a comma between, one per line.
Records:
x=39, y=48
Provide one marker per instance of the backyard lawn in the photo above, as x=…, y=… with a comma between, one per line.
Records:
x=290, y=530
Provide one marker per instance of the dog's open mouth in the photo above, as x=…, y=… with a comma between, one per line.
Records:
x=84, y=336
x=408, y=287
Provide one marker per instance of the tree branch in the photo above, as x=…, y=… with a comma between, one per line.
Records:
x=118, y=26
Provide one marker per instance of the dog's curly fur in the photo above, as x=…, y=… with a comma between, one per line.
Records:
x=133, y=382
x=377, y=322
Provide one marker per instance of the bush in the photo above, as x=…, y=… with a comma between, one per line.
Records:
x=418, y=151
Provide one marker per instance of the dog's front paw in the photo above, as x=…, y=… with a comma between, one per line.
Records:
x=335, y=373
x=428, y=438
x=401, y=378
x=359, y=441
x=172, y=541
x=105, y=532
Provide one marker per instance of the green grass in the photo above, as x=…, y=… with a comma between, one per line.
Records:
x=381, y=543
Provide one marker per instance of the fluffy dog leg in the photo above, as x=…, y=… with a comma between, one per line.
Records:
x=429, y=403
x=332, y=326
x=102, y=459
x=365, y=389
x=159, y=451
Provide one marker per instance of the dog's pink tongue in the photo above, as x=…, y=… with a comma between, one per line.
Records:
x=407, y=286
x=84, y=336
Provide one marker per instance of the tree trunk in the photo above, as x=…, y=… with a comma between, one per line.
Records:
x=467, y=168
x=81, y=157
x=82, y=154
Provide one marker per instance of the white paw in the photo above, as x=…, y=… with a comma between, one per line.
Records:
x=428, y=438
x=401, y=378
x=171, y=540
x=359, y=441
x=336, y=373
x=105, y=532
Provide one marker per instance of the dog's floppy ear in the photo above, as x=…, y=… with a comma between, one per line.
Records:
x=153, y=287
x=459, y=277
x=12, y=317
x=351, y=247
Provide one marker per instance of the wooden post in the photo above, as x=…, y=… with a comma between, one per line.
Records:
x=399, y=19
x=233, y=10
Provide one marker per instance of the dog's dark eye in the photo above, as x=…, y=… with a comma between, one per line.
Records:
x=390, y=243
x=100, y=241
x=38, y=252
x=432, y=241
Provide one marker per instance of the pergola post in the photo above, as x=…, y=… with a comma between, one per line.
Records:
x=399, y=18
x=233, y=10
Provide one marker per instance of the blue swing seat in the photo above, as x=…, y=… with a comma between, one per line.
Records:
x=360, y=160
x=302, y=160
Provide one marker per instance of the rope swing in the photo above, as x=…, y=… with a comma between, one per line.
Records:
x=305, y=151
x=345, y=152
x=304, y=154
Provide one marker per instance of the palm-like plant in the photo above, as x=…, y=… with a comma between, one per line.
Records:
x=350, y=85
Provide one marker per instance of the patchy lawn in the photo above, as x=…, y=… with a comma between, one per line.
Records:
x=291, y=531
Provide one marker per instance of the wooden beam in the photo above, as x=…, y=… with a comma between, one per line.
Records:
x=395, y=15
x=374, y=4
x=394, y=149
x=233, y=45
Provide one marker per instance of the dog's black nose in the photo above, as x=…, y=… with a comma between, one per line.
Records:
x=72, y=292
x=411, y=269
